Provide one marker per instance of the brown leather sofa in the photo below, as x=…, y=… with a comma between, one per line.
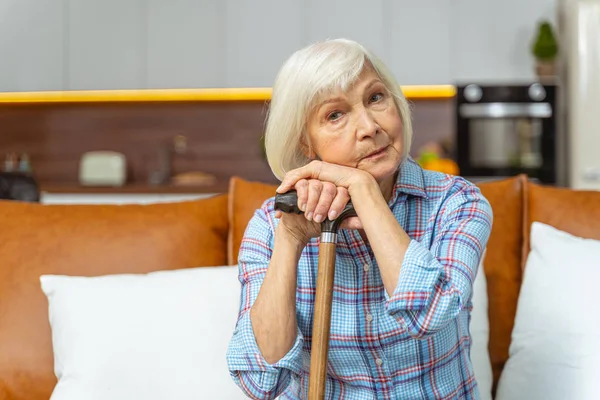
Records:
x=89, y=240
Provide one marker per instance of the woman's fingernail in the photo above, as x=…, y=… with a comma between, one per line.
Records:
x=302, y=206
x=332, y=214
x=309, y=216
x=318, y=218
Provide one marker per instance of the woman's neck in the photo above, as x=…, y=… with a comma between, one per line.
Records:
x=387, y=186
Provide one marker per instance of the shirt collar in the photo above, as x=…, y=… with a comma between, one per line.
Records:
x=410, y=180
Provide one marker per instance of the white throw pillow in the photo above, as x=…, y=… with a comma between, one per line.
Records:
x=480, y=335
x=555, y=348
x=161, y=335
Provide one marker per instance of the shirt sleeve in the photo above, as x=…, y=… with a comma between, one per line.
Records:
x=435, y=282
x=250, y=371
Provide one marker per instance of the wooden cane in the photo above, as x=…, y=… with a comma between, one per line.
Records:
x=288, y=203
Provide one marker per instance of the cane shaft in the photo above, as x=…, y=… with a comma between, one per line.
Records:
x=322, y=321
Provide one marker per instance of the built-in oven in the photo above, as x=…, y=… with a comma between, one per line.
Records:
x=505, y=130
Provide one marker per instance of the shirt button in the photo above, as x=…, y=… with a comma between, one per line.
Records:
x=366, y=267
x=379, y=361
x=369, y=317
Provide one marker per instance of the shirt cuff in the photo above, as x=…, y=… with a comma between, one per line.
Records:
x=419, y=273
x=246, y=356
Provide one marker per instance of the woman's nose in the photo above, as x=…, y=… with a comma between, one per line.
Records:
x=366, y=125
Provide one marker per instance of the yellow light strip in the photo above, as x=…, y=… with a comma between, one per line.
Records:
x=429, y=91
x=216, y=94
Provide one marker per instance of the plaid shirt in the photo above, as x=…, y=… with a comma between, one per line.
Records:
x=412, y=345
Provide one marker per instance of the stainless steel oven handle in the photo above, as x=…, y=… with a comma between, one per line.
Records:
x=505, y=110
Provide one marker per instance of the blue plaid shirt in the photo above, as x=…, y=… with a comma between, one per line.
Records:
x=414, y=344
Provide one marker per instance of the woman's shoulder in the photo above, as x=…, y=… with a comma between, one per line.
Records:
x=446, y=184
x=434, y=185
x=449, y=193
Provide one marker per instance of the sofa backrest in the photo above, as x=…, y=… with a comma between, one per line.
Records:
x=576, y=212
x=87, y=240
x=38, y=239
x=502, y=264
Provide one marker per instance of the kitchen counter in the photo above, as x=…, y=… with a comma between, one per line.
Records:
x=135, y=188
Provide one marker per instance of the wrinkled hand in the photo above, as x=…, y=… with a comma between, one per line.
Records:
x=339, y=175
x=323, y=191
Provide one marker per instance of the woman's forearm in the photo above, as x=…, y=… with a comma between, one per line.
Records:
x=273, y=314
x=386, y=237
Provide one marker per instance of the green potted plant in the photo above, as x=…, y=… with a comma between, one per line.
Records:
x=545, y=50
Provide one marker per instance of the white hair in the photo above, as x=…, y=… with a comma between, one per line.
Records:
x=304, y=78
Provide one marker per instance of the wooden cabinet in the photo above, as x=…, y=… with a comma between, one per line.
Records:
x=141, y=44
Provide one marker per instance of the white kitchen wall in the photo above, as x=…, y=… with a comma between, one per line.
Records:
x=491, y=40
x=258, y=37
x=186, y=43
x=420, y=40
x=106, y=44
x=125, y=44
x=32, y=45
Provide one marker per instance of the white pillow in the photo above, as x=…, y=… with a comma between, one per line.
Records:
x=480, y=335
x=555, y=348
x=161, y=335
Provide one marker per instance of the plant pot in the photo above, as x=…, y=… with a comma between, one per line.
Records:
x=545, y=69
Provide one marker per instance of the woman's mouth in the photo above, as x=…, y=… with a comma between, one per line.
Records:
x=377, y=154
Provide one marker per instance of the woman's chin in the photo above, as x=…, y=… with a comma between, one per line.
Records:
x=382, y=171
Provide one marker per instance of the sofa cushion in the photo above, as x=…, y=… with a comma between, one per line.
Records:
x=574, y=211
x=87, y=240
x=503, y=264
x=245, y=197
x=480, y=335
x=156, y=336
x=555, y=351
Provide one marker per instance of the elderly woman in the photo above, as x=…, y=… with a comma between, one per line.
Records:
x=339, y=128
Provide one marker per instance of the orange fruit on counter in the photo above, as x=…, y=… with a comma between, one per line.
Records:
x=443, y=165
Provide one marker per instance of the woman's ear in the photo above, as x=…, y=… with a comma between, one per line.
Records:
x=307, y=148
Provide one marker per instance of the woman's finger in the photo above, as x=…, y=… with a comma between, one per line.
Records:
x=302, y=193
x=310, y=171
x=314, y=193
x=337, y=174
x=339, y=202
x=328, y=193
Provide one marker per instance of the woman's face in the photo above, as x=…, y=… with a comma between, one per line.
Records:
x=360, y=128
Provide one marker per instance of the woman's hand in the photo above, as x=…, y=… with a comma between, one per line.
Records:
x=316, y=199
x=341, y=176
x=323, y=191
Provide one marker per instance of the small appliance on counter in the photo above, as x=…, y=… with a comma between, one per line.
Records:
x=102, y=168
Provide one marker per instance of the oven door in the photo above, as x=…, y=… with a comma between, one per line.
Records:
x=505, y=139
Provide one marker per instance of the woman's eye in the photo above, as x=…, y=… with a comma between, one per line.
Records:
x=334, y=115
x=376, y=97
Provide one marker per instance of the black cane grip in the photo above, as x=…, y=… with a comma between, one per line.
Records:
x=287, y=202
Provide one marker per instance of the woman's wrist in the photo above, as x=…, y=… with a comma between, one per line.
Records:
x=364, y=183
x=292, y=240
